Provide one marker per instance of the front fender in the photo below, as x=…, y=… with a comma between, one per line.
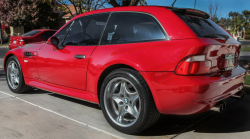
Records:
x=17, y=53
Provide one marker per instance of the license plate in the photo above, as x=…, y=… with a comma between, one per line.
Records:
x=230, y=61
x=14, y=41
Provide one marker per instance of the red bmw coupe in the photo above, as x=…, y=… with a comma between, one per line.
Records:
x=36, y=35
x=136, y=63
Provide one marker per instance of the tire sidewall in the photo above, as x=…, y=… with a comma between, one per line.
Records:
x=141, y=121
x=21, y=80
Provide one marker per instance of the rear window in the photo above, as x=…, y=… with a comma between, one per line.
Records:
x=203, y=27
x=31, y=33
x=46, y=35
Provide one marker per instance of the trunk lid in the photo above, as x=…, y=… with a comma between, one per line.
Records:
x=221, y=48
x=19, y=39
x=224, y=56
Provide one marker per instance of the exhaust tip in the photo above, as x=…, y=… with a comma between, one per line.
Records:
x=239, y=95
x=219, y=107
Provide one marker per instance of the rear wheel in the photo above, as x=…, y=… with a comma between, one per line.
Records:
x=14, y=76
x=126, y=101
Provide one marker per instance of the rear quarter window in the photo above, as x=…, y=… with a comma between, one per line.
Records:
x=127, y=27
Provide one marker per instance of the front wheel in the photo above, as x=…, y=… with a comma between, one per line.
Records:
x=14, y=76
x=126, y=101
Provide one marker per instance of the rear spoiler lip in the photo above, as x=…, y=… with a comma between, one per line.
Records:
x=192, y=12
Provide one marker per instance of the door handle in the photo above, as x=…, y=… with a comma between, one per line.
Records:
x=80, y=56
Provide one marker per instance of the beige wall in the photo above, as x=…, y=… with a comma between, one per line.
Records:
x=16, y=31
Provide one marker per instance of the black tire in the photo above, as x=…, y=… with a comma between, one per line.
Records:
x=22, y=87
x=148, y=112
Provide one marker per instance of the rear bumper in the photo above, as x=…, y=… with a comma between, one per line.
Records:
x=184, y=95
x=13, y=46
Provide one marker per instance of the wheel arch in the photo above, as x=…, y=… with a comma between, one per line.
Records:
x=119, y=66
x=106, y=72
x=6, y=59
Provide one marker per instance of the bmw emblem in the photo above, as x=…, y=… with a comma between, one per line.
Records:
x=126, y=101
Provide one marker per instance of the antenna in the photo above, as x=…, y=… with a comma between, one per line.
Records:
x=194, y=3
x=173, y=4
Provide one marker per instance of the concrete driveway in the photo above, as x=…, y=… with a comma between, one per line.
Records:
x=44, y=115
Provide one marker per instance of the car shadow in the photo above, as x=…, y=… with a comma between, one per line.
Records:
x=81, y=102
x=36, y=91
x=233, y=119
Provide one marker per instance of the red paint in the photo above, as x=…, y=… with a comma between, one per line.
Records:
x=58, y=71
x=27, y=39
x=61, y=68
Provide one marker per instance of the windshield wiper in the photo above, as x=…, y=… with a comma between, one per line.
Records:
x=215, y=36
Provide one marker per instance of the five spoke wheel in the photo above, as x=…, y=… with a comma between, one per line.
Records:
x=13, y=74
x=122, y=102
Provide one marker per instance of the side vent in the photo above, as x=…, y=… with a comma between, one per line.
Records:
x=29, y=54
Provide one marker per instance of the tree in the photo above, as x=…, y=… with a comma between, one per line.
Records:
x=236, y=21
x=44, y=17
x=246, y=21
x=14, y=12
x=118, y=3
x=81, y=6
x=224, y=22
x=29, y=13
x=214, y=10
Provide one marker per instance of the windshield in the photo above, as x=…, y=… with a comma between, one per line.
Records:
x=31, y=33
x=203, y=27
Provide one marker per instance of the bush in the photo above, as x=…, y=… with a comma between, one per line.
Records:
x=247, y=37
x=248, y=31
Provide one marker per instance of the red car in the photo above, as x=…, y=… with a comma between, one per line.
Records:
x=36, y=35
x=136, y=63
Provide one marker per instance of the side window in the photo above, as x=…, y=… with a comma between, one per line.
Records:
x=62, y=33
x=131, y=27
x=87, y=30
x=46, y=35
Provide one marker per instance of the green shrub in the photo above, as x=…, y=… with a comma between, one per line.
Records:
x=247, y=37
x=248, y=31
x=247, y=81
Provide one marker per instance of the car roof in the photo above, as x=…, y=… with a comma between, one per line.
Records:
x=147, y=9
x=45, y=29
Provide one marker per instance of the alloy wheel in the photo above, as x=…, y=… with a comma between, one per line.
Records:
x=13, y=74
x=122, y=102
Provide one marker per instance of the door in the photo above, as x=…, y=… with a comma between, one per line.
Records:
x=68, y=67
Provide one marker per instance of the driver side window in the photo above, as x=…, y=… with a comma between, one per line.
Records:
x=84, y=31
x=62, y=33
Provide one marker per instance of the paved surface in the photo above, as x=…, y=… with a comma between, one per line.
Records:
x=40, y=114
x=245, y=42
x=3, y=51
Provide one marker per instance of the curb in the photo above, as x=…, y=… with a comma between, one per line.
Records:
x=4, y=47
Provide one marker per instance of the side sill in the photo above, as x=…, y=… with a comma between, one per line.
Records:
x=74, y=93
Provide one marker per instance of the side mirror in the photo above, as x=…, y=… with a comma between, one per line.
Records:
x=54, y=41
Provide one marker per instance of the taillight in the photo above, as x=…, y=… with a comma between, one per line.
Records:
x=194, y=65
x=21, y=42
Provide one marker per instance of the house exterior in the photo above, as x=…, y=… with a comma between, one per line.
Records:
x=68, y=16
